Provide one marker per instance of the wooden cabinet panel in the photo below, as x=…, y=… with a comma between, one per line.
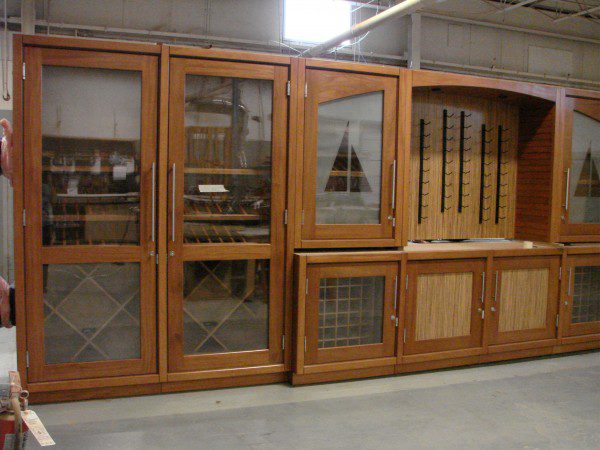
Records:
x=581, y=188
x=349, y=158
x=444, y=305
x=525, y=299
x=89, y=121
x=349, y=311
x=227, y=159
x=582, y=299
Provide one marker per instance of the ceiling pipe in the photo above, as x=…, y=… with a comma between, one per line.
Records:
x=399, y=10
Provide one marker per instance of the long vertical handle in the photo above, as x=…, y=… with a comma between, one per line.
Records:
x=482, y=288
x=394, y=185
x=173, y=203
x=569, y=285
x=567, y=189
x=153, y=202
x=496, y=287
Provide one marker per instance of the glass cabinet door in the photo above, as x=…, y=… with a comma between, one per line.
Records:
x=582, y=299
x=582, y=160
x=90, y=148
x=227, y=171
x=350, y=311
x=349, y=156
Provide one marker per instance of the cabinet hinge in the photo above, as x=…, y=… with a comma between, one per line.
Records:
x=288, y=88
x=302, y=218
x=304, y=343
x=283, y=342
x=27, y=358
x=306, y=288
x=397, y=321
x=393, y=222
x=24, y=71
x=557, y=319
x=406, y=283
x=24, y=218
x=560, y=273
x=305, y=90
x=482, y=314
x=285, y=217
x=157, y=258
x=404, y=338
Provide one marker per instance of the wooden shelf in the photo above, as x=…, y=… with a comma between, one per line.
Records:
x=214, y=212
x=66, y=169
x=94, y=218
x=219, y=171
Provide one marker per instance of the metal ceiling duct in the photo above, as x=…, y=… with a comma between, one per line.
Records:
x=401, y=9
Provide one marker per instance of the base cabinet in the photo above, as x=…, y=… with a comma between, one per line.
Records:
x=525, y=299
x=444, y=307
x=582, y=300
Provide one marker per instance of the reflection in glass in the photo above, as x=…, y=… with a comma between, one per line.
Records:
x=350, y=311
x=91, y=312
x=90, y=156
x=349, y=160
x=226, y=306
x=584, y=189
x=586, y=294
x=228, y=159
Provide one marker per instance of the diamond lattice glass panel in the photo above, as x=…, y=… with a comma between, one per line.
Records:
x=584, y=188
x=586, y=294
x=90, y=156
x=349, y=160
x=226, y=306
x=91, y=312
x=350, y=311
x=227, y=193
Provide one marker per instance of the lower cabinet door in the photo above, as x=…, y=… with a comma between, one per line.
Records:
x=350, y=311
x=444, y=305
x=583, y=295
x=525, y=299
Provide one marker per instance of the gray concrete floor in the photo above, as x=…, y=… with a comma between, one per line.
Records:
x=543, y=403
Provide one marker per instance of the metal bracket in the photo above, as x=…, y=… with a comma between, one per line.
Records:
x=24, y=71
x=288, y=88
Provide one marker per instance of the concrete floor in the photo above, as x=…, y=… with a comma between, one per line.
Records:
x=550, y=403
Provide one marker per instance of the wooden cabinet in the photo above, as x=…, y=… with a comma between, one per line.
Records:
x=582, y=298
x=89, y=128
x=581, y=159
x=226, y=200
x=350, y=162
x=347, y=307
x=525, y=299
x=444, y=305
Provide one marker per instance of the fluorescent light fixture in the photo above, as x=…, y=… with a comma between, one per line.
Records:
x=315, y=21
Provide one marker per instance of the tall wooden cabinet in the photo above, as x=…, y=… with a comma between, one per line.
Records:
x=226, y=197
x=90, y=137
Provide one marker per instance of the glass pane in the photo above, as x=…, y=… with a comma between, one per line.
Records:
x=350, y=311
x=226, y=306
x=91, y=312
x=584, y=202
x=349, y=160
x=586, y=294
x=90, y=156
x=227, y=159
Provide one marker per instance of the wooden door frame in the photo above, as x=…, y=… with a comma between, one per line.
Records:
x=178, y=363
x=316, y=272
x=472, y=341
x=549, y=331
x=579, y=329
x=589, y=106
x=36, y=255
x=351, y=235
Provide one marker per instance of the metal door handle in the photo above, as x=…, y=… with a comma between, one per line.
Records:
x=174, y=184
x=569, y=285
x=153, y=202
x=394, y=185
x=482, y=287
x=567, y=189
x=496, y=287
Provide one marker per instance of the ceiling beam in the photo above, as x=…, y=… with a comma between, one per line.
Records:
x=516, y=5
x=580, y=13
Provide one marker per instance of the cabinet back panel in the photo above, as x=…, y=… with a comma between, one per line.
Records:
x=454, y=224
x=443, y=308
x=523, y=299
